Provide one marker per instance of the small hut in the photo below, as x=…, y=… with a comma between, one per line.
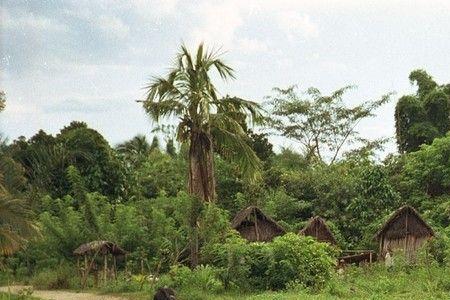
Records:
x=92, y=251
x=318, y=229
x=254, y=225
x=404, y=230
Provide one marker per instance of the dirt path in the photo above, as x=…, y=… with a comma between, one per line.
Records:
x=61, y=295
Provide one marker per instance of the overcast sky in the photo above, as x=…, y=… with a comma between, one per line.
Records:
x=89, y=60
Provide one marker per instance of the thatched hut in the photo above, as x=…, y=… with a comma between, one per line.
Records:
x=91, y=252
x=318, y=229
x=99, y=248
x=254, y=225
x=404, y=230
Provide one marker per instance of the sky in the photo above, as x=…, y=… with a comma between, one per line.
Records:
x=90, y=60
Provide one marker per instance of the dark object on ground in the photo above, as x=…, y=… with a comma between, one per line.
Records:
x=165, y=294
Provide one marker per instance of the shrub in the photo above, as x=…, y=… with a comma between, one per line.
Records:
x=61, y=278
x=300, y=259
x=202, y=278
x=123, y=284
x=258, y=266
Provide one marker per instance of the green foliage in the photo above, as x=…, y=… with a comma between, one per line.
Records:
x=321, y=124
x=134, y=151
x=290, y=258
x=300, y=259
x=203, y=278
x=94, y=158
x=135, y=195
x=170, y=148
x=422, y=117
x=55, y=279
x=160, y=173
x=206, y=122
x=428, y=170
x=46, y=159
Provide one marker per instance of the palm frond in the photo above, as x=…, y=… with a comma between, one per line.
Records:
x=229, y=135
x=16, y=225
x=246, y=107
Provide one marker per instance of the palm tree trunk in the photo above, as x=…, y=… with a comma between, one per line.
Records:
x=201, y=167
x=201, y=182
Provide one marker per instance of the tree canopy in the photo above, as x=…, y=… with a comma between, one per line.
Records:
x=422, y=117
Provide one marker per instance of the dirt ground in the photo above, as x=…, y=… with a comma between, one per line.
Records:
x=61, y=295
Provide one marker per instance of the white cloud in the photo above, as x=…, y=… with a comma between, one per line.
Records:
x=251, y=45
x=295, y=24
x=218, y=24
x=145, y=8
x=29, y=21
x=112, y=27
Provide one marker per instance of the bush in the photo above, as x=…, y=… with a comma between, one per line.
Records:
x=288, y=259
x=123, y=284
x=50, y=279
x=301, y=259
x=202, y=278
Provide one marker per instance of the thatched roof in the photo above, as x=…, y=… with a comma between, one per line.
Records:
x=100, y=247
x=317, y=228
x=395, y=228
x=242, y=216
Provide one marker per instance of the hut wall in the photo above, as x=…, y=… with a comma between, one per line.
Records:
x=406, y=233
x=264, y=231
x=320, y=233
x=408, y=244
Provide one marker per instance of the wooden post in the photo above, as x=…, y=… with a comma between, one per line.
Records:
x=105, y=266
x=126, y=265
x=85, y=266
x=256, y=226
x=115, y=267
x=78, y=266
x=370, y=257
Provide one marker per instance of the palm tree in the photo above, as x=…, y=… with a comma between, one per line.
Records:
x=136, y=146
x=16, y=225
x=134, y=150
x=205, y=121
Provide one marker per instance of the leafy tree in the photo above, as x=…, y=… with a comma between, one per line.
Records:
x=161, y=174
x=428, y=169
x=155, y=144
x=261, y=145
x=91, y=154
x=323, y=125
x=170, y=148
x=135, y=150
x=420, y=118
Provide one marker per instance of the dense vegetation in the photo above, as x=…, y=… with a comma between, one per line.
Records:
x=170, y=206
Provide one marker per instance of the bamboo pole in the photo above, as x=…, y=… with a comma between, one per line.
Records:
x=105, y=267
x=115, y=267
x=256, y=226
x=85, y=266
